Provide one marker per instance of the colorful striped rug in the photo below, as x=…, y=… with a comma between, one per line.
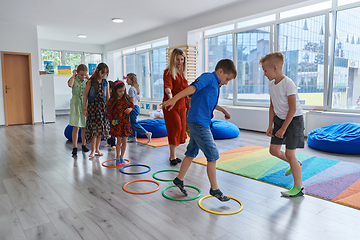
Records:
x=325, y=178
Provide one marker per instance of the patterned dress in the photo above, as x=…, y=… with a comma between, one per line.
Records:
x=97, y=122
x=123, y=127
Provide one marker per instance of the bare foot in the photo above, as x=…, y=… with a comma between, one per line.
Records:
x=91, y=155
x=99, y=153
x=113, y=147
x=106, y=145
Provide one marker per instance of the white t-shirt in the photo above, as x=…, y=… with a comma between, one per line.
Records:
x=279, y=96
x=133, y=93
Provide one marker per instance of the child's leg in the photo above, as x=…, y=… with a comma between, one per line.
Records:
x=275, y=150
x=123, y=141
x=211, y=172
x=118, y=147
x=93, y=147
x=83, y=141
x=74, y=136
x=97, y=142
x=295, y=167
x=184, y=167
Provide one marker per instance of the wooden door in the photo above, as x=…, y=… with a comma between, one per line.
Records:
x=17, y=88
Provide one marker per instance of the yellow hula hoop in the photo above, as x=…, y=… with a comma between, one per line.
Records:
x=221, y=213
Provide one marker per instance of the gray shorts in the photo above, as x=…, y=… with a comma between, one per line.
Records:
x=294, y=135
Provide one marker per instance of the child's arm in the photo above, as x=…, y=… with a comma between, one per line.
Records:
x=87, y=88
x=271, y=120
x=169, y=104
x=168, y=92
x=72, y=79
x=289, y=116
x=221, y=109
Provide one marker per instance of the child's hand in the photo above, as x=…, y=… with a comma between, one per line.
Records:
x=74, y=72
x=269, y=132
x=85, y=112
x=227, y=115
x=128, y=110
x=87, y=77
x=280, y=133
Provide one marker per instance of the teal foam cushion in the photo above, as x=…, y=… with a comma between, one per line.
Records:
x=336, y=138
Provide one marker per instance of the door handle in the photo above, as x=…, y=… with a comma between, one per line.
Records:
x=6, y=88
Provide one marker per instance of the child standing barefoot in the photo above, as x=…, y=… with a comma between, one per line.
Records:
x=118, y=110
x=96, y=94
x=134, y=92
x=77, y=119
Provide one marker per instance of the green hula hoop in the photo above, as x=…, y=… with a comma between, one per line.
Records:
x=181, y=199
x=165, y=180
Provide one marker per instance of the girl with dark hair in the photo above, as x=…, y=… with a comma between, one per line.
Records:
x=118, y=111
x=96, y=94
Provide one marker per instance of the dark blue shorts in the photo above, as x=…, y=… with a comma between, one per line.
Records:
x=294, y=135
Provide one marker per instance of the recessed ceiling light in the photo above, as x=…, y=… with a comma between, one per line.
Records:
x=81, y=36
x=117, y=20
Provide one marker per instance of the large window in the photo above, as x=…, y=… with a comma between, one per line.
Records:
x=158, y=65
x=346, y=75
x=73, y=59
x=302, y=42
x=251, y=45
x=143, y=74
x=129, y=64
x=217, y=48
x=49, y=55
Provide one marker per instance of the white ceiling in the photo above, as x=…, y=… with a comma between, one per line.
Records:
x=63, y=20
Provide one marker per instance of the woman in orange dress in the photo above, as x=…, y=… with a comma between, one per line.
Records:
x=175, y=119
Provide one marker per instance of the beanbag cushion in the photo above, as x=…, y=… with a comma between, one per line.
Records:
x=68, y=133
x=155, y=126
x=336, y=138
x=223, y=129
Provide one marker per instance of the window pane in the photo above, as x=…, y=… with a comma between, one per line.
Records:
x=346, y=78
x=255, y=21
x=217, y=48
x=251, y=45
x=344, y=2
x=92, y=58
x=129, y=64
x=306, y=9
x=302, y=43
x=73, y=59
x=143, y=74
x=158, y=66
x=219, y=29
x=54, y=56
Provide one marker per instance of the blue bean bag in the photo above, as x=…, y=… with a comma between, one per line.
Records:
x=68, y=133
x=336, y=138
x=155, y=126
x=223, y=129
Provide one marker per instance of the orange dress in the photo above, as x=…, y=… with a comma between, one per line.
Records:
x=175, y=119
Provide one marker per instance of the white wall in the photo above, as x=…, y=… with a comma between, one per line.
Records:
x=22, y=38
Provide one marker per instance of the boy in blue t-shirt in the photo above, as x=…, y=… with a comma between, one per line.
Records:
x=206, y=91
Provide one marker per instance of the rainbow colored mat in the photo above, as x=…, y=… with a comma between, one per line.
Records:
x=325, y=178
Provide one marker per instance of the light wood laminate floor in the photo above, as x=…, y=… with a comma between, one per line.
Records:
x=45, y=193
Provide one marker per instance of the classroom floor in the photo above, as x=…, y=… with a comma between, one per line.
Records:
x=45, y=193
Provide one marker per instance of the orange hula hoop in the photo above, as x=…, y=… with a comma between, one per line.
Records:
x=141, y=180
x=114, y=159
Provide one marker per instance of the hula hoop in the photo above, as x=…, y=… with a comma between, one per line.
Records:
x=165, y=180
x=181, y=199
x=141, y=165
x=141, y=180
x=114, y=159
x=221, y=213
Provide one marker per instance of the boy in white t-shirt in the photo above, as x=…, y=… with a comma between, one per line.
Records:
x=286, y=115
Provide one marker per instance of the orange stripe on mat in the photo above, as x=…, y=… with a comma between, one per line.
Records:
x=349, y=192
x=156, y=142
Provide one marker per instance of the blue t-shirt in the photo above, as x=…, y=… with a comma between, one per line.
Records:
x=205, y=99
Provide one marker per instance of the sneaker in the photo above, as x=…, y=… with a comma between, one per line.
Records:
x=118, y=162
x=219, y=195
x=132, y=140
x=289, y=172
x=173, y=162
x=149, y=136
x=74, y=151
x=122, y=161
x=180, y=185
x=299, y=194
x=84, y=148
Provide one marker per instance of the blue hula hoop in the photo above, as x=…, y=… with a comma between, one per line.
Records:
x=131, y=165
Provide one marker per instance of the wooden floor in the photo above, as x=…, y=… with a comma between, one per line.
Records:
x=47, y=194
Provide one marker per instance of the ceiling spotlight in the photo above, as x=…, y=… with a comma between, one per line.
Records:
x=81, y=36
x=117, y=20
